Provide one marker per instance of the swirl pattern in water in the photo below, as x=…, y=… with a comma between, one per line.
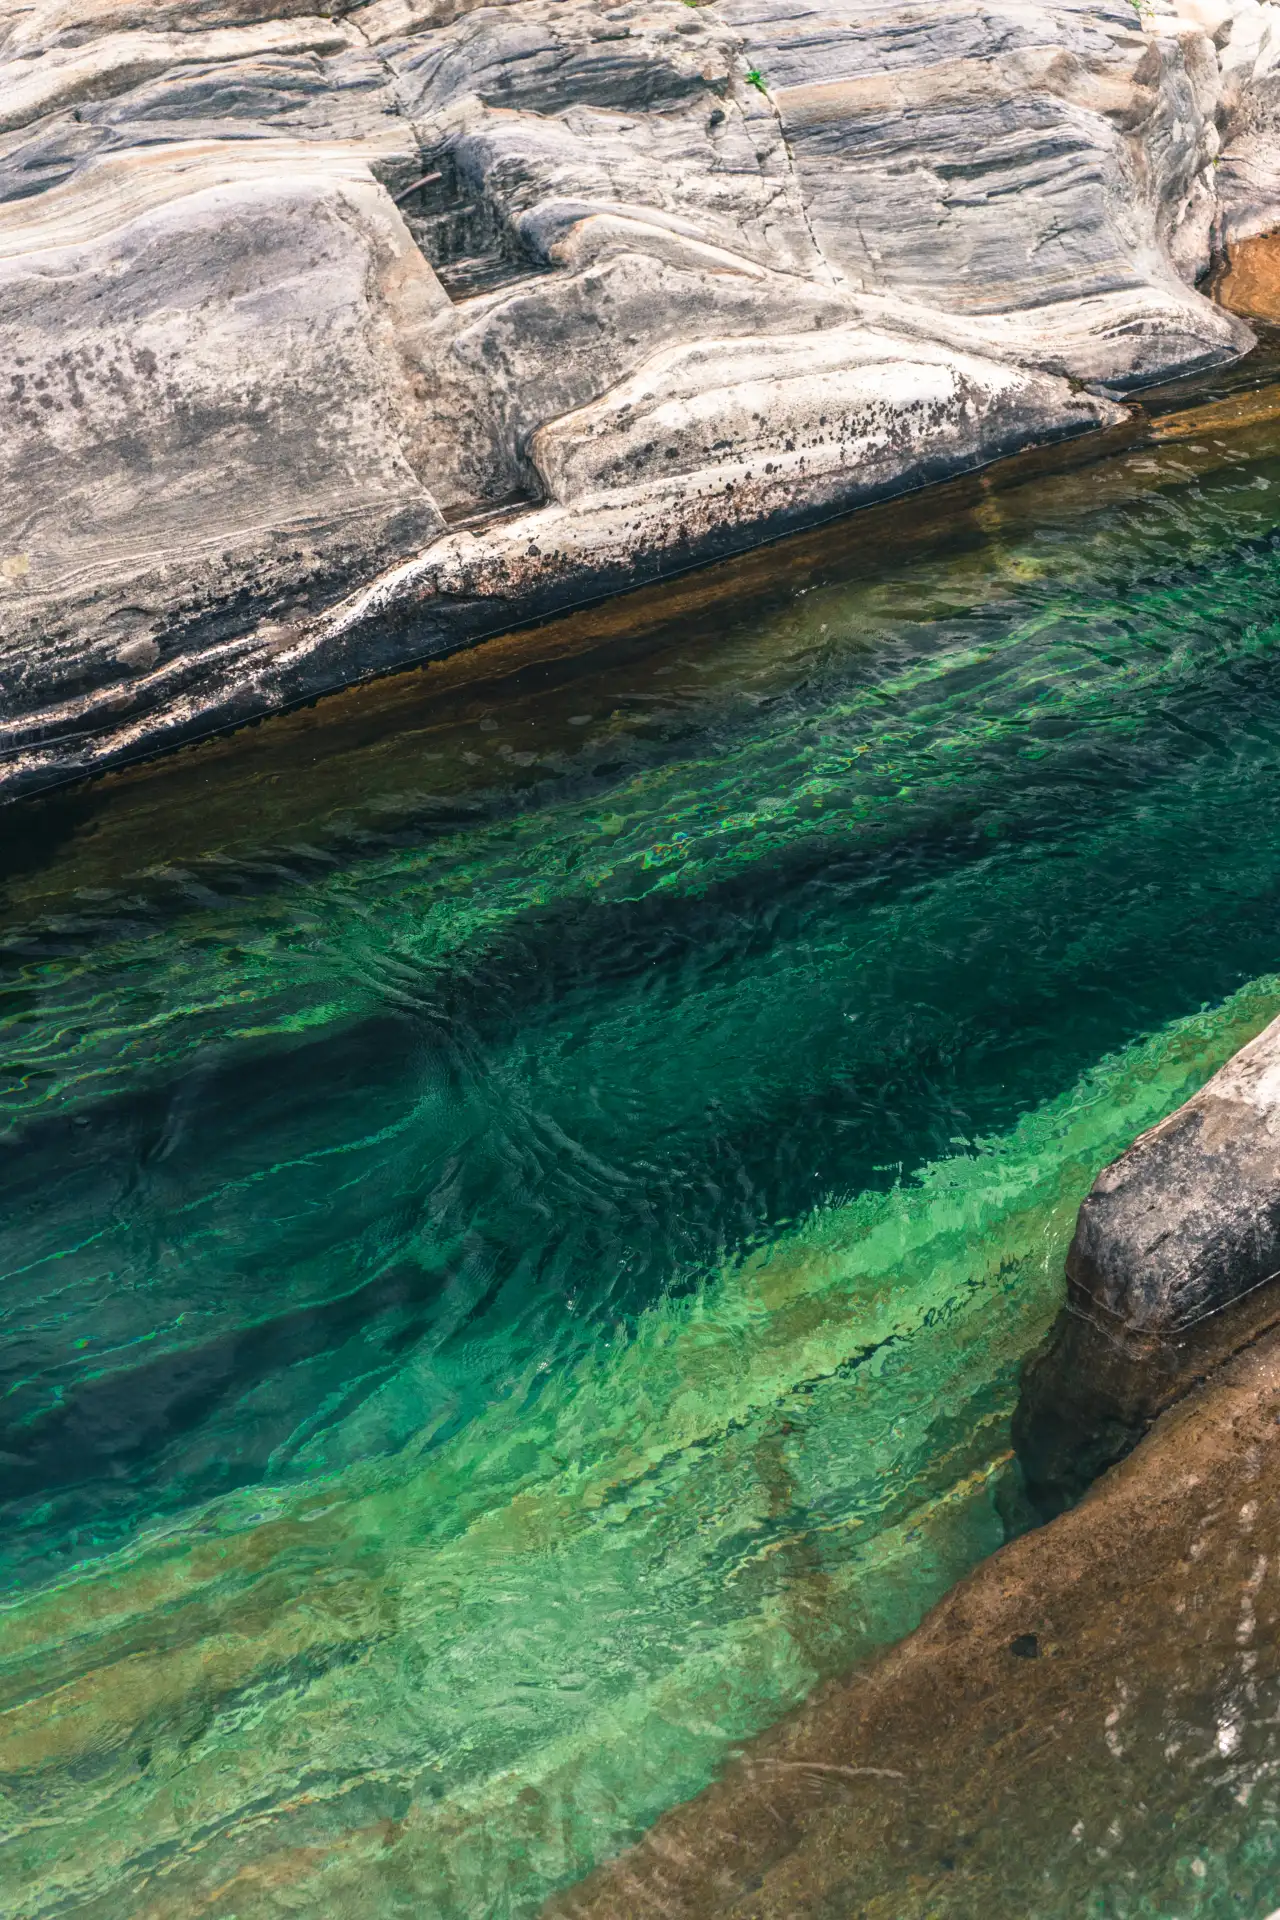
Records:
x=524, y=1194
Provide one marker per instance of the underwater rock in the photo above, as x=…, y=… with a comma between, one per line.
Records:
x=1092, y=1710
x=1168, y=1273
x=337, y=339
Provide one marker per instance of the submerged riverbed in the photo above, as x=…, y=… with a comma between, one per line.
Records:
x=524, y=1192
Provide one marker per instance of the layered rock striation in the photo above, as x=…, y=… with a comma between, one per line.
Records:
x=336, y=336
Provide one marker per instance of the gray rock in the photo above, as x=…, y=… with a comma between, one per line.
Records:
x=382, y=326
x=1168, y=1273
x=208, y=406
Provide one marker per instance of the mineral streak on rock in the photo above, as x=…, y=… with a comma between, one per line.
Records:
x=1090, y=1711
x=336, y=336
x=1167, y=1274
x=1248, y=278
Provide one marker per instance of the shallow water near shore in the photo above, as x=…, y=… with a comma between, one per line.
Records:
x=523, y=1195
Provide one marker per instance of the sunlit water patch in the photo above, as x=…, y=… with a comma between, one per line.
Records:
x=517, y=1264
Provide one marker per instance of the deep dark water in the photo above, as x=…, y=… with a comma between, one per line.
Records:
x=481, y=1127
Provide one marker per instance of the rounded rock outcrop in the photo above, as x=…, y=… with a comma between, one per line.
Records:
x=1169, y=1272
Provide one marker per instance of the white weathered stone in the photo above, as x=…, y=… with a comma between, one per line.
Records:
x=247, y=391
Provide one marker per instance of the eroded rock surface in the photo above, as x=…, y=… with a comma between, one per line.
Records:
x=336, y=336
x=1169, y=1271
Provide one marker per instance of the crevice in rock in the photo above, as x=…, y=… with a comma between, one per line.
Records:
x=393, y=78
x=834, y=278
x=470, y=514
x=469, y=244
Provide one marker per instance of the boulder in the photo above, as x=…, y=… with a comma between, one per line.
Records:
x=1169, y=1272
x=338, y=335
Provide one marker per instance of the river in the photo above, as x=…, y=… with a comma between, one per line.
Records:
x=524, y=1190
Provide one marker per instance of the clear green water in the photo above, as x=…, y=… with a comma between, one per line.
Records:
x=519, y=1233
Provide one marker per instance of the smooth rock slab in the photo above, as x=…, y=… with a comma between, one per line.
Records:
x=1087, y=1724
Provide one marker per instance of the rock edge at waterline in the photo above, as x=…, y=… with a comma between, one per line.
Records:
x=1090, y=1714
x=336, y=339
x=1168, y=1273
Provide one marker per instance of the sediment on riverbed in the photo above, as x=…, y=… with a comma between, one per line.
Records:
x=339, y=340
x=1122, y=1657
x=1093, y=1708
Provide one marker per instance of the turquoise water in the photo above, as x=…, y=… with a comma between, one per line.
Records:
x=520, y=1226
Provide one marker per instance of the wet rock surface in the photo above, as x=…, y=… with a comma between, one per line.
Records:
x=337, y=338
x=1168, y=1273
x=1087, y=1722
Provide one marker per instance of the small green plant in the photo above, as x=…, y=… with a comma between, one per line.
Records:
x=757, y=80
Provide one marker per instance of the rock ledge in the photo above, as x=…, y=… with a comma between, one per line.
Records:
x=339, y=336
